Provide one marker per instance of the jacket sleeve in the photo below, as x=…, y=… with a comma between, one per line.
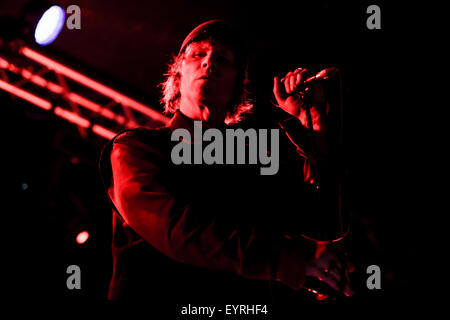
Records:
x=187, y=234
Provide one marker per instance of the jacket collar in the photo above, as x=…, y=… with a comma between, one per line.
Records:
x=179, y=120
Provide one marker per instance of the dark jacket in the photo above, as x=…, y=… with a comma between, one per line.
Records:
x=203, y=233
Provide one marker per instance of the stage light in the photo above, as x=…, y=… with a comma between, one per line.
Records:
x=49, y=26
x=82, y=237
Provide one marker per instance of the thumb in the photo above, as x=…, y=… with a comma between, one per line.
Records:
x=276, y=90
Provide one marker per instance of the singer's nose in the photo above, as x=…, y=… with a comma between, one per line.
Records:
x=209, y=63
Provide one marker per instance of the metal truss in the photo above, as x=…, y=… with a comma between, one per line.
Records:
x=70, y=95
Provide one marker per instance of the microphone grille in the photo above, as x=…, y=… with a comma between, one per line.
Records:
x=325, y=73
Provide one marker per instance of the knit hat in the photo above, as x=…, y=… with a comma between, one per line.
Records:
x=223, y=32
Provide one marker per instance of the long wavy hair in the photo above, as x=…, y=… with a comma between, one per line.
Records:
x=240, y=103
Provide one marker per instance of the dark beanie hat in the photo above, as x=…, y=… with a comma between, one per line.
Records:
x=220, y=31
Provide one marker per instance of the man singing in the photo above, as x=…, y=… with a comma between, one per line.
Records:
x=195, y=233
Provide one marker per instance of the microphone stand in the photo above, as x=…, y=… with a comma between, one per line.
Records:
x=321, y=293
x=338, y=154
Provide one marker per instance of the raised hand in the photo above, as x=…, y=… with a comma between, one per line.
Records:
x=291, y=99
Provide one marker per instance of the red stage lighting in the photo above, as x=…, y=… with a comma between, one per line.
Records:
x=82, y=237
x=44, y=104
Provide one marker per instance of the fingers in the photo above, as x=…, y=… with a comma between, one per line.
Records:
x=293, y=80
x=337, y=279
x=329, y=279
x=285, y=81
x=331, y=267
x=290, y=81
x=335, y=274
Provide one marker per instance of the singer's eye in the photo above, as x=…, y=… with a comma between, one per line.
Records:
x=199, y=54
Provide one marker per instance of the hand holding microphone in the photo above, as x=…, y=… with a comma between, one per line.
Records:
x=290, y=95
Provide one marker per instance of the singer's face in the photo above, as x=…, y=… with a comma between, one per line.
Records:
x=208, y=74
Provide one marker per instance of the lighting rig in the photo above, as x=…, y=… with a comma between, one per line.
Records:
x=55, y=87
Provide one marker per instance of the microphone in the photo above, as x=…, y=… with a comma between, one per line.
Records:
x=321, y=75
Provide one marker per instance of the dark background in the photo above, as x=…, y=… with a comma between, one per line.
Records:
x=127, y=45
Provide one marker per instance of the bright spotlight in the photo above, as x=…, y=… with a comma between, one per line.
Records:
x=49, y=26
x=82, y=237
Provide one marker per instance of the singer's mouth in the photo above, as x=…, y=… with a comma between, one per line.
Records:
x=210, y=76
